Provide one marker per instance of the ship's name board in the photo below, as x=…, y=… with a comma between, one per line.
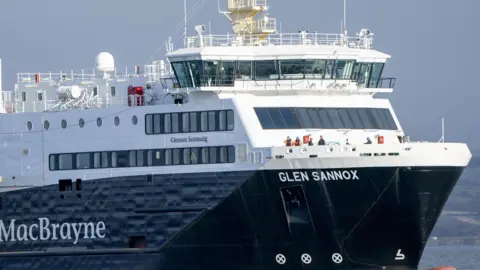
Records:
x=189, y=139
x=46, y=231
x=299, y=176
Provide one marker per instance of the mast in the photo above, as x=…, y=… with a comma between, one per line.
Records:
x=244, y=23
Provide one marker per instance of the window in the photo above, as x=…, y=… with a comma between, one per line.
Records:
x=134, y=120
x=175, y=123
x=212, y=121
x=230, y=120
x=181, y=74
x=140, y=158
x=185, y=122
x=377, y=69
x=46, y=125
x=81, y=123
x=65, y=162
x=64, y=124
x=315, y=69
x=330, y=69
x=203, y=121
x=222, y=120
x=116, y=121
x=226, y=73
x=193, y=122
x=343, y=69
x=266, y=70
x=24, y=96
x=112, y=91
x=167, y=124
x=206, y=121
x=244, y=70
x=291, y=69
x=99, y=122
x=325, y=118
x=195, y=68
x=210, y=72
x=40, y=96
x=83, y=161
x=157, y=124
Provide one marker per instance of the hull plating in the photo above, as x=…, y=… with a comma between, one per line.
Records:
x=365, y=218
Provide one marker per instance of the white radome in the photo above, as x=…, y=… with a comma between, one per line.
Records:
x=104, y=62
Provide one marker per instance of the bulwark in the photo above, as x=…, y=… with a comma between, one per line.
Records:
x=302, y=176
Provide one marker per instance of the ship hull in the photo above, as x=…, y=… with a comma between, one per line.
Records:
x=346, y=218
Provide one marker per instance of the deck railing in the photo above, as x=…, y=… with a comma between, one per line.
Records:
x=280, y=39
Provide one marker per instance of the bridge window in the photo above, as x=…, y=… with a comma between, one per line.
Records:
x=377, y=69
x=356, y=71
x=266, y=70
x=292, y=69
x=330, y=69
x=196, y=68
x=210, y=72
x=315, y=69
x=244, y=70
x=181, y=73
x=343, y=69
x=325, y=118
x=226, y=73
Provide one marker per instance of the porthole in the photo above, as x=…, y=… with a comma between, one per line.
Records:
x=46, y=125
x=64, y=123
x=29, y=125
x=99, y=122
x=116, y=121
x=81, y=123
x=134, y=120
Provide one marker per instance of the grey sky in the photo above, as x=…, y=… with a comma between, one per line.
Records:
x=433, y=44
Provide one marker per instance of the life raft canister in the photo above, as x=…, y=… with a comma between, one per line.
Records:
x=306, y=139
x=380, y=140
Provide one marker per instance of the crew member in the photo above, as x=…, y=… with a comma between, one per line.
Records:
x=288, y=141
x=310, y=142
x=298, y=142
x=321, y=141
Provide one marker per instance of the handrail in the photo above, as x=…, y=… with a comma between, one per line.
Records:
x=312, y=39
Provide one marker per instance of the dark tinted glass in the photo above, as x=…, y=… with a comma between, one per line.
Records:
x=325, y=118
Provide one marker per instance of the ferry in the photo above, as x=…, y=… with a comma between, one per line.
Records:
x=256, y=150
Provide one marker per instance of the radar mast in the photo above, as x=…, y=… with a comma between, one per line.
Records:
x=247, y=28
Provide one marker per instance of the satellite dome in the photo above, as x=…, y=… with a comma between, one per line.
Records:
x=104, y=62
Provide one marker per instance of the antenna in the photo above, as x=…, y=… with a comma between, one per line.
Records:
x=185, y=22
x=345, y=34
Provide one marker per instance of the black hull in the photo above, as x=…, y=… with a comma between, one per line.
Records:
x=372, y=217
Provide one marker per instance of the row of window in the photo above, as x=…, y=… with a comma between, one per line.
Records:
x=204, y=121
x=81, y=123
x=325, y=118
x=142, y=158
x=223, y=73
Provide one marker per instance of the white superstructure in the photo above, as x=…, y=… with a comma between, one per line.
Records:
x=249, y=90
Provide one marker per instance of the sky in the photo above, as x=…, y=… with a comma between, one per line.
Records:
x=433, y=44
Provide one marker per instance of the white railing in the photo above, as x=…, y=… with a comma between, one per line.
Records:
x=151, y=72
x=269, y=25
x=234, y=4
x=313, y=39
x=16, y=106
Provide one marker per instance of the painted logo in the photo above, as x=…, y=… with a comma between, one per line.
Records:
x=46, y=231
